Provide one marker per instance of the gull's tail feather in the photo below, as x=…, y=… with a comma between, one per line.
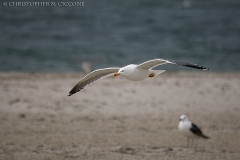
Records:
x=204, y=136
x=157, y=72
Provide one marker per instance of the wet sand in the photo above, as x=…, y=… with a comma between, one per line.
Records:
x=118, y=119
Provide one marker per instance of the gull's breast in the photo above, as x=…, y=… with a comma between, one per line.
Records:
x=138, y=75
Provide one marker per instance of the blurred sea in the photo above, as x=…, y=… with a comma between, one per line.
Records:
x=119, y=32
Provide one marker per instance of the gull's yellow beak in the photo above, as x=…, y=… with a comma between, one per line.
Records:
x=116, y=74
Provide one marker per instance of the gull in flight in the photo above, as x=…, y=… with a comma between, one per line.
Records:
x=133, y=72
x=87, y=65
x=190, y=130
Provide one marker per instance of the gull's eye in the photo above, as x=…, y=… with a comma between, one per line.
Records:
x=122, y=70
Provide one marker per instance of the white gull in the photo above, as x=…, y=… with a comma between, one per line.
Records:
x=190, y=130
x=132, y=72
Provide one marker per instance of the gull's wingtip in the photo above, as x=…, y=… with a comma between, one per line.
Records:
x=207, y=69
x=71, y=93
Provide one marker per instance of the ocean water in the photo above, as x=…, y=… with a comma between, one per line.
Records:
x=119, y=32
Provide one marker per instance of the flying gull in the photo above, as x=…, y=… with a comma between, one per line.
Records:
x=87, y=65
x=133, y=72
x=190, y=130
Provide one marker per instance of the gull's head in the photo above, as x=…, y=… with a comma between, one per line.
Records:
x=183, y=118
x=125, y=71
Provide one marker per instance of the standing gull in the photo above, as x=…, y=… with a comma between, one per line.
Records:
x=190, y=130
x=132, y=72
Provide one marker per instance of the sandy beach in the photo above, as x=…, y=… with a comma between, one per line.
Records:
x=115, y=119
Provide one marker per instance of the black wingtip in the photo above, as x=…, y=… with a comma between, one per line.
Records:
x=73, y=91
x=196, y=66
x=205, y=69
x=191, y=65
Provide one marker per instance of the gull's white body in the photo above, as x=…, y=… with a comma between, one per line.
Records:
x=184, y=128
x=137, y=74
x=133, y=73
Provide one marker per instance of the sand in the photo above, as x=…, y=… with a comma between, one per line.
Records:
x=115, y=119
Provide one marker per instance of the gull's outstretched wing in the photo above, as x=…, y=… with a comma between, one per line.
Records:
x=151, y=63
x=92, y=77
x=197, y=131
x=156, y=62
